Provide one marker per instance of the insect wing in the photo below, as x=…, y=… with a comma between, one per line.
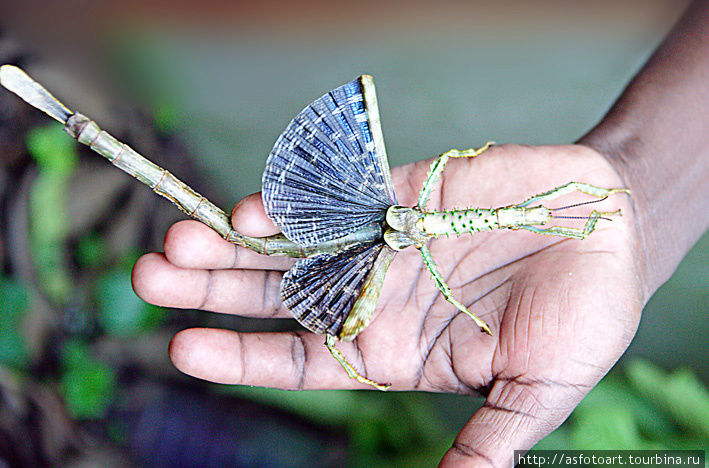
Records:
x=327, y=174
x=320, y=291
x=375, y=126
x=362, y=312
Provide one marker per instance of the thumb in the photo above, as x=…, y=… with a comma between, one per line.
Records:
x=516, y=415
x=249, y=218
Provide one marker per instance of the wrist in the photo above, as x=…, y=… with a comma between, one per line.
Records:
x=670, y=192
x=657, y=137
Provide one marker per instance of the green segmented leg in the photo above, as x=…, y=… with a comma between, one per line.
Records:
x=572, y=187
x=446, y=290
x=437, y=166
x=573, y=233
x=351, y=371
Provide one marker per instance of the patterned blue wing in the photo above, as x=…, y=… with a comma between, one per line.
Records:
x=328, y=174
x=320, y=291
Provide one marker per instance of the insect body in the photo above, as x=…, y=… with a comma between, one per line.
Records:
x=328, y=176
x=327, y=186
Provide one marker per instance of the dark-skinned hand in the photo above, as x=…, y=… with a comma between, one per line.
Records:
x=562, y=310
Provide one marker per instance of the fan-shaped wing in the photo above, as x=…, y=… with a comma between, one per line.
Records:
x=328, y=174
x=320, y=291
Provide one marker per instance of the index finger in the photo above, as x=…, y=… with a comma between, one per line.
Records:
x=249, y=217
x=191, y=244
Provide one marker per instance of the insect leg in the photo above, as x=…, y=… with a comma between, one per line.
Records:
x=351, y=371
x=572, y=187
x=446, y=290
x=437, y=166
x=573, y=233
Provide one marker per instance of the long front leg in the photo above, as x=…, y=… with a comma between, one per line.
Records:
x=437, y=166
x=440, y=283
x=573, y=187
x=574, y=233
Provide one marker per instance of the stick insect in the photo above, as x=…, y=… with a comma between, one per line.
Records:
x=327, y=186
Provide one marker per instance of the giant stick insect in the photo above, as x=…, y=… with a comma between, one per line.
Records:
x=327, y=186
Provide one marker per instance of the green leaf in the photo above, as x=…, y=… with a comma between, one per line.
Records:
x=557, y=440
x=90, y=250
x=54, y=151
x=48, y=222
x=614, y=390
x=426, y=416
x=87, y=384
x=679, y=393
x=13, y=297
x=646, y=410
x=168, y=118
x=612, y=429
x=120, y=311
x=56, y=157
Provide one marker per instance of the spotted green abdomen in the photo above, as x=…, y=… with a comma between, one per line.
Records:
x=483, y=219
x=460, y=221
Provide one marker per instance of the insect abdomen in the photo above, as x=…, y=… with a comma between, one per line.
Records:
x=460, y=221
x=483, y=219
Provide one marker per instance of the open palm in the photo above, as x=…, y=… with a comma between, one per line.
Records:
x=562, y=311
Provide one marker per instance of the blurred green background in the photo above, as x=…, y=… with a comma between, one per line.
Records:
x=225, y=92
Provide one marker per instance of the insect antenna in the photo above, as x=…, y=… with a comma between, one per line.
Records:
x=581, y=217
x=577, y=204
x=595, y=214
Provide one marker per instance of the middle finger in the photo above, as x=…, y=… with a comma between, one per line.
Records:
x=252, y=293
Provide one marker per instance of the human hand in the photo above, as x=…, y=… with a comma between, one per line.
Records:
x=562, y=310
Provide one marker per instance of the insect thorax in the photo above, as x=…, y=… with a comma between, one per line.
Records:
x=404, y=227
